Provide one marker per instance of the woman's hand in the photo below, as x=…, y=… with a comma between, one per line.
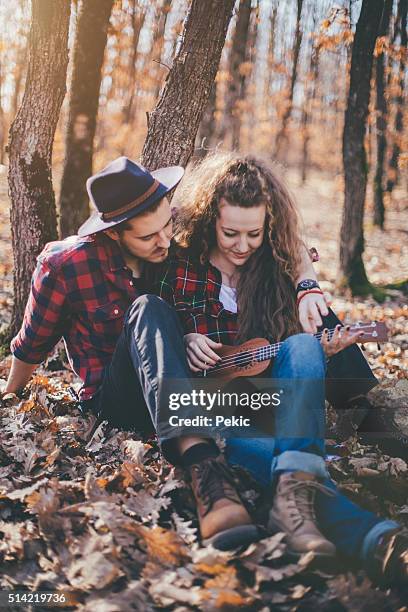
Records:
x=341, y=339
x=200, y=352
x=312, y=307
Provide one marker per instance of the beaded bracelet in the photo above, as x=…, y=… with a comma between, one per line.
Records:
x=307, y=292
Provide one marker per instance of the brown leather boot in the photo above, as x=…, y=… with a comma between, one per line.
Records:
x=293, y=512
x=224, y=521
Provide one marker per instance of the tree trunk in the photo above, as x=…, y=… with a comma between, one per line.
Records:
x=354, y=156
x=89, y=47
x=281, y=136
x=381, y=108
x=236, y=85
x=173, y=124
x=158, y=45
x=2, y=121
x=310, y=96
x=18, y=79
x=399, y=100
x=207, y=125
x=138, y=16
x=33, y=216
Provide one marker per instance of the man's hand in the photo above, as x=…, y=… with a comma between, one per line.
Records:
x=312, y=308
x=200, y=352
x=341, y=339
x=20, y=374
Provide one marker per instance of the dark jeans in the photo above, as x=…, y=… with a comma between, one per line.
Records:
x=150, y=350
x=348, y=373
x=122, y=396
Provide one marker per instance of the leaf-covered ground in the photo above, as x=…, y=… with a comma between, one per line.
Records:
x=97, y=512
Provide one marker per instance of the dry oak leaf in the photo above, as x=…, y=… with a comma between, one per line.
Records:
x=93, y=571
x=164, y=545
x=167, y=594
x=45, y=500
x=222, y=588
x=135, y=450
x=13, y=537
x=21, y=494
x=133, y=598
x=146, y=506
x=128, y=475
x=187, y=533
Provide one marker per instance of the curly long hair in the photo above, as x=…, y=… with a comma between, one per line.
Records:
x=265, y=291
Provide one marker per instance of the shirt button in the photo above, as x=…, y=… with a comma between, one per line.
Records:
x=116, y=311
x=131, y=283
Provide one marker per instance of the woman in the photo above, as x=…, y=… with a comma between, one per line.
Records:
x=236, y=276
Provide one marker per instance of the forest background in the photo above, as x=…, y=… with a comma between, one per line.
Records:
x=316, y=87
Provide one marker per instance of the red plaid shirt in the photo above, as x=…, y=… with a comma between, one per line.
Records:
x=194, y=290
x=80, y=291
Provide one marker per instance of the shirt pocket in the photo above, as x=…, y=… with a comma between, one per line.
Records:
x=107, y=323
x=198, y=305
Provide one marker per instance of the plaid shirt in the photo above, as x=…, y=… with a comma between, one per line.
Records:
x=194, y=290
x=80, y=291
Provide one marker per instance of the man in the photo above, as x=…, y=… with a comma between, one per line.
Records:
x=88, y=289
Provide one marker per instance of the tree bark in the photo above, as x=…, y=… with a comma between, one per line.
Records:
x=236, y=85
x=138, y=16
x=354, y=156
x=2, y=121
x=158, y=45
x=381, y=108
x=89, y=47
x=281, y=136
x=206, y=130
x=307, y=110
x=173, y=124
x=399, y=100
x=33, y=215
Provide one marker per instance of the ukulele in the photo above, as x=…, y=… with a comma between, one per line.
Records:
x=254, y=356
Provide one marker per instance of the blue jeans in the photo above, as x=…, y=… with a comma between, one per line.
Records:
x=151, y=349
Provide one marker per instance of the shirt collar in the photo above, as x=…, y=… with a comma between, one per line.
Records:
x=114, y=257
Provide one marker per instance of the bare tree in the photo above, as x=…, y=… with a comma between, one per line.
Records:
x=33, y=215
x=281, y=136
x=207, y=127
x=90, y=42
x=138, y=16
x=2, y=120
x=399, y=99
x=381, y=107
x=158, y=44
x=310, y=95
x=231, y=122
x=354, y=155
x=173, y=124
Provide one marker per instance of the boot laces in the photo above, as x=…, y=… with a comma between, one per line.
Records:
x=303, y=493
x=215, y=482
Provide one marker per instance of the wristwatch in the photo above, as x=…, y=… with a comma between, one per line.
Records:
x=306, y=284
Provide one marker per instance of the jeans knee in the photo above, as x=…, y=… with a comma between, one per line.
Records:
x=305, y=353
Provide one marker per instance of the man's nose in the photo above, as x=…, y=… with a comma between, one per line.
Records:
x=163, y=240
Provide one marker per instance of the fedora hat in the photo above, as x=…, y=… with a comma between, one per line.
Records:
x=123, y=189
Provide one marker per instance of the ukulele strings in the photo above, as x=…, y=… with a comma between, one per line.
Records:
x=266, y=352
x=246, y=357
